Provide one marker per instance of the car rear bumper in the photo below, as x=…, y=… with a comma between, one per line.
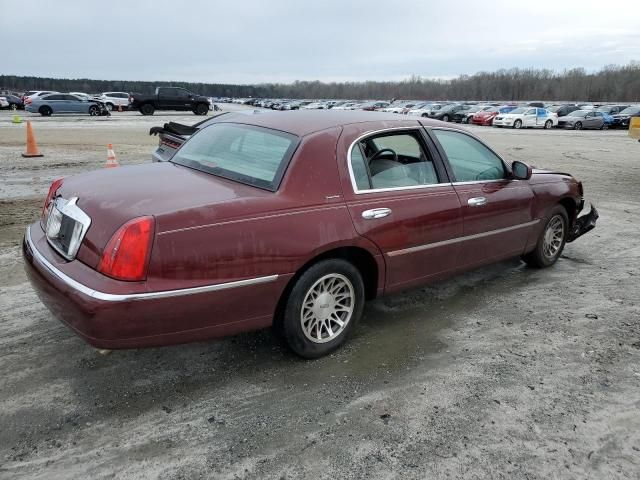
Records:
x=115, y=321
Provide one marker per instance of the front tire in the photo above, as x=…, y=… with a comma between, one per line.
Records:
x=577, y=126
x=445, y=118
x=94, y=110
x=323, y=307
x=551, y=241
x=517, y=124
x=110, y=107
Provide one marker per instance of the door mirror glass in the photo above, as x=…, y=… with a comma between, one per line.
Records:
x=521, y=171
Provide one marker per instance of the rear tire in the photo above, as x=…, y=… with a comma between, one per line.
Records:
x=323, y=307
x=147, y=109
x=551, y=241
x=548, y=124
x=201, y=109
x=45, y=111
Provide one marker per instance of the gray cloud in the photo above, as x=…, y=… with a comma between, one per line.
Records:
x=285, y=40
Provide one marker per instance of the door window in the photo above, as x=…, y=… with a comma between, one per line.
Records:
x=470, y=160
x=395, y=160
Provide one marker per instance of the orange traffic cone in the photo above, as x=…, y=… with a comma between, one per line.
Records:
x=119, y=108
x=111, y=158
x=32, y=146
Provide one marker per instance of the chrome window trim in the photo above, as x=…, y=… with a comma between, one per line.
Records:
x=354, y=185
x=451, y=241
x=111, y=297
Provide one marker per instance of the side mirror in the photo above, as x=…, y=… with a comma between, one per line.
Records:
x=521, y=171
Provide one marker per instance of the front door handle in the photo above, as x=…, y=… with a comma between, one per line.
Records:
x=477, y=201
x=376, y=213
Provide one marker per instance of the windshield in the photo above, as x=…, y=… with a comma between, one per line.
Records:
x=519, y=110
x=244, y=153
x=578, y=113
x=630, y=111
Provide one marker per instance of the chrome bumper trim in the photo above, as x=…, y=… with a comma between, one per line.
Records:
x=111, y=297
x=461, y=239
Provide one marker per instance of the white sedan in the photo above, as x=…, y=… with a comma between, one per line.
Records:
x=526, y=117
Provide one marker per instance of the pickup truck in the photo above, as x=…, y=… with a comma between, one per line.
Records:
x=169, y=98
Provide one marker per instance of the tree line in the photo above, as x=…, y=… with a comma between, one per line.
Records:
x=613, y=83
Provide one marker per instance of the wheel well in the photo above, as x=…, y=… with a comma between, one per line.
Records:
x=570, y=206
x=359, y=257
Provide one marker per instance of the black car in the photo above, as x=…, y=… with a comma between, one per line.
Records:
x=15, y=102
x=612, y=109
x=622, y=119
x=563, y=110
x=447, y=112
x=169, y=98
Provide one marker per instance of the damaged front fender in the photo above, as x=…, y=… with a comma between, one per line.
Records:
x=583, y=224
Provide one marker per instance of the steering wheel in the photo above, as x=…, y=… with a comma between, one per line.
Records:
x=380, y=152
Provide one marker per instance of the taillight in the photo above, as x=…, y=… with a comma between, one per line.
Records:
x=55, y=185
x=126, y=256
x=28, y=101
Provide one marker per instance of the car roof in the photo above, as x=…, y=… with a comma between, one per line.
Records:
x=305, y=122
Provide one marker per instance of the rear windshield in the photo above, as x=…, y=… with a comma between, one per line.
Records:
x=245, y=153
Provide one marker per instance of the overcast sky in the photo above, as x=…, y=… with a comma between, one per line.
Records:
x=250, y=41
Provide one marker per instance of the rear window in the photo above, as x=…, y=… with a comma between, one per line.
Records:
x=245, y=153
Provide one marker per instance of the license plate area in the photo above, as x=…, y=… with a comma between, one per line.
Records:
x=66, y=227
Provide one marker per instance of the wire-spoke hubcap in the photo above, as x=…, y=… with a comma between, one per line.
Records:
x=553, y=237
x=327, y=308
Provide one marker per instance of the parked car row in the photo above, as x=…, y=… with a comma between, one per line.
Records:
x=533, y=114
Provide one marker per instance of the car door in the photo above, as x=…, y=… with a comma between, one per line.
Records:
x=529, y=118
x=399, y=197
x=542, y=115
x=167, y=98
x=56, y=102
x=592, y=120
x=496, y=209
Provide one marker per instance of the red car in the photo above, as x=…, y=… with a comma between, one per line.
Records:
x=485, y=117
x=291, y=219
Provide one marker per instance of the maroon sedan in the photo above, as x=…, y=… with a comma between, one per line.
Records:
x=290, y=219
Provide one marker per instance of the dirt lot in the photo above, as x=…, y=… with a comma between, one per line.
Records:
x=506, y=372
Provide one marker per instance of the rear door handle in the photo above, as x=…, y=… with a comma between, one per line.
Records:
x=376, y=213
x=477, y=201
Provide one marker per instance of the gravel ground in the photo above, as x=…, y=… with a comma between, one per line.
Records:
x=504, y=372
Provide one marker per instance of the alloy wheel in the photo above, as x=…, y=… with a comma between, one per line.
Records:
x=553, y=237
x=327, y=308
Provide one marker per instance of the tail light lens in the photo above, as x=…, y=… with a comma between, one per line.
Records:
x=126, y=256
x=55, y=185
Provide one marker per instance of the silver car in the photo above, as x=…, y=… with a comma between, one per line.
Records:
x=62, y=103
x=580, y=119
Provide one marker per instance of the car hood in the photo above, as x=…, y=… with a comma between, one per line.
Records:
x=166, y=191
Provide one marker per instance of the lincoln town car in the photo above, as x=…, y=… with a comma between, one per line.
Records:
x=287, y=219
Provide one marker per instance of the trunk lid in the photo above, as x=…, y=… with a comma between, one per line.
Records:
x=166, y=191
